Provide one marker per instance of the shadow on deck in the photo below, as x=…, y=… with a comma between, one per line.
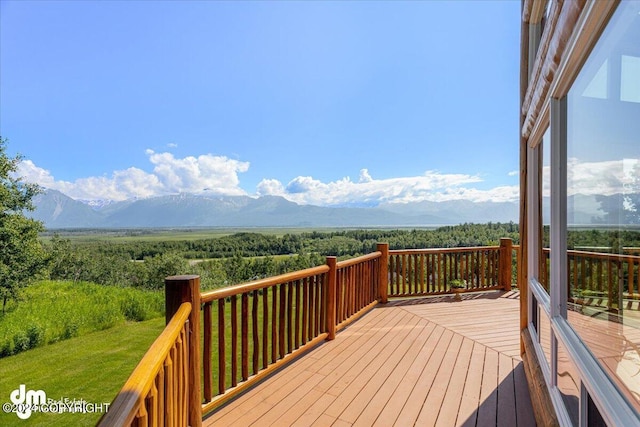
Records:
x=421, y=361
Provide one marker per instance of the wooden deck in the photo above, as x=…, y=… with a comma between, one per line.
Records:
x=427, y=361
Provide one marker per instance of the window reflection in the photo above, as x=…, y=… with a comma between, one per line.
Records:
x=629, y=81
x=545, y=186
x=544, y=335
x=603, y=206
x=568, y=384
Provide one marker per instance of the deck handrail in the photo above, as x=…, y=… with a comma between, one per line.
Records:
x=263, y=324
x=423, y=272
x=271, y=319
x=357, y=287
x=613, y=276
x=155, y=393
x=283, y=317
x=228, y=291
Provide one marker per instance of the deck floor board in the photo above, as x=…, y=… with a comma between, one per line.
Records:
x=425, y=361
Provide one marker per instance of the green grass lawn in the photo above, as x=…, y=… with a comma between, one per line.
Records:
x=53, y=311
x=92, y=367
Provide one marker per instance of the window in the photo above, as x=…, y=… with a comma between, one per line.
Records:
x=603, y=201
x=545, y=188
x=584, y=203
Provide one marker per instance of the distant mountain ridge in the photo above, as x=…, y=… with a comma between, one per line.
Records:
x=57, y=210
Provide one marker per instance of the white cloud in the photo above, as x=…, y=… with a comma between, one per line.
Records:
x=602, y=178
x=219, y=175
x=514, y=173
x=206, y=173
x=433, y=186
x=270, y=187
x=597, y=178
x=32, y=173
x=365, y=176
x=216, y=174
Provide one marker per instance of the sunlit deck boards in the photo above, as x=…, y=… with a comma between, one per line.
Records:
x=422, y=362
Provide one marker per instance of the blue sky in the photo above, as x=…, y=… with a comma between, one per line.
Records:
x=321, y=102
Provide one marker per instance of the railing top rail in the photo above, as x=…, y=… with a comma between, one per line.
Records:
x=599, y=255
x=443, y=250
x=261, y=284
x=123, y=409
x=602, y=255
x=358, y=260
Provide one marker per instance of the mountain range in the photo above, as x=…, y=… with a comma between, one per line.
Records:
x=56, y=210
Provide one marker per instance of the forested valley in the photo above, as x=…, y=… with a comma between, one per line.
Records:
x=243, y=256
x=92, y=280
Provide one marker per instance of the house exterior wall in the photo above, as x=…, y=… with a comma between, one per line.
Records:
x=580, y=146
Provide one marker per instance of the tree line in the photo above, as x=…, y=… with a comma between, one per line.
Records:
x=329, y=243
x=220, y=261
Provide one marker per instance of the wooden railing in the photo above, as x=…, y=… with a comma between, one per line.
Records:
x=420, y=272
x=156, y=393
x=358, y=283
x=250, y=330
x=600, y=279
x=275, y=318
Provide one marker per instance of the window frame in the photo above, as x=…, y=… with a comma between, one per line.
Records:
x=594, y=382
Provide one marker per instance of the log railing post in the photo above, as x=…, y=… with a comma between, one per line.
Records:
x=332, y=278
x=179, y=289
x=384, y=272
x=506, y=254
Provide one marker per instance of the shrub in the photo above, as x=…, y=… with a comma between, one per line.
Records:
x=53, y=311
x=134, y=309
x=107, y=317
x=20, y=342
x=5, y=349
x=70, y=330
x=457, y=284
x=35, y=335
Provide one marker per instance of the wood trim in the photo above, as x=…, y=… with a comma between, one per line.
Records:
x=541, y=54
x=533, y=11
x=353, y=261
x=537, y=11
x=442, y=250
x=543, y=408
x=131, y=397
x=559, y=29
x=587, y=31
x=522, y=253
x=527, y=6
x=541, y=125
x=261, y=284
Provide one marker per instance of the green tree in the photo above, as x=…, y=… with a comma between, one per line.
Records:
x=161, y=266
x=21, y=254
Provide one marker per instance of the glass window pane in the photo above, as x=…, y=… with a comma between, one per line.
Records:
x=629, y=81
x=544, y=334
x=546, y=210
x=568, y=384
x=603, y=205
